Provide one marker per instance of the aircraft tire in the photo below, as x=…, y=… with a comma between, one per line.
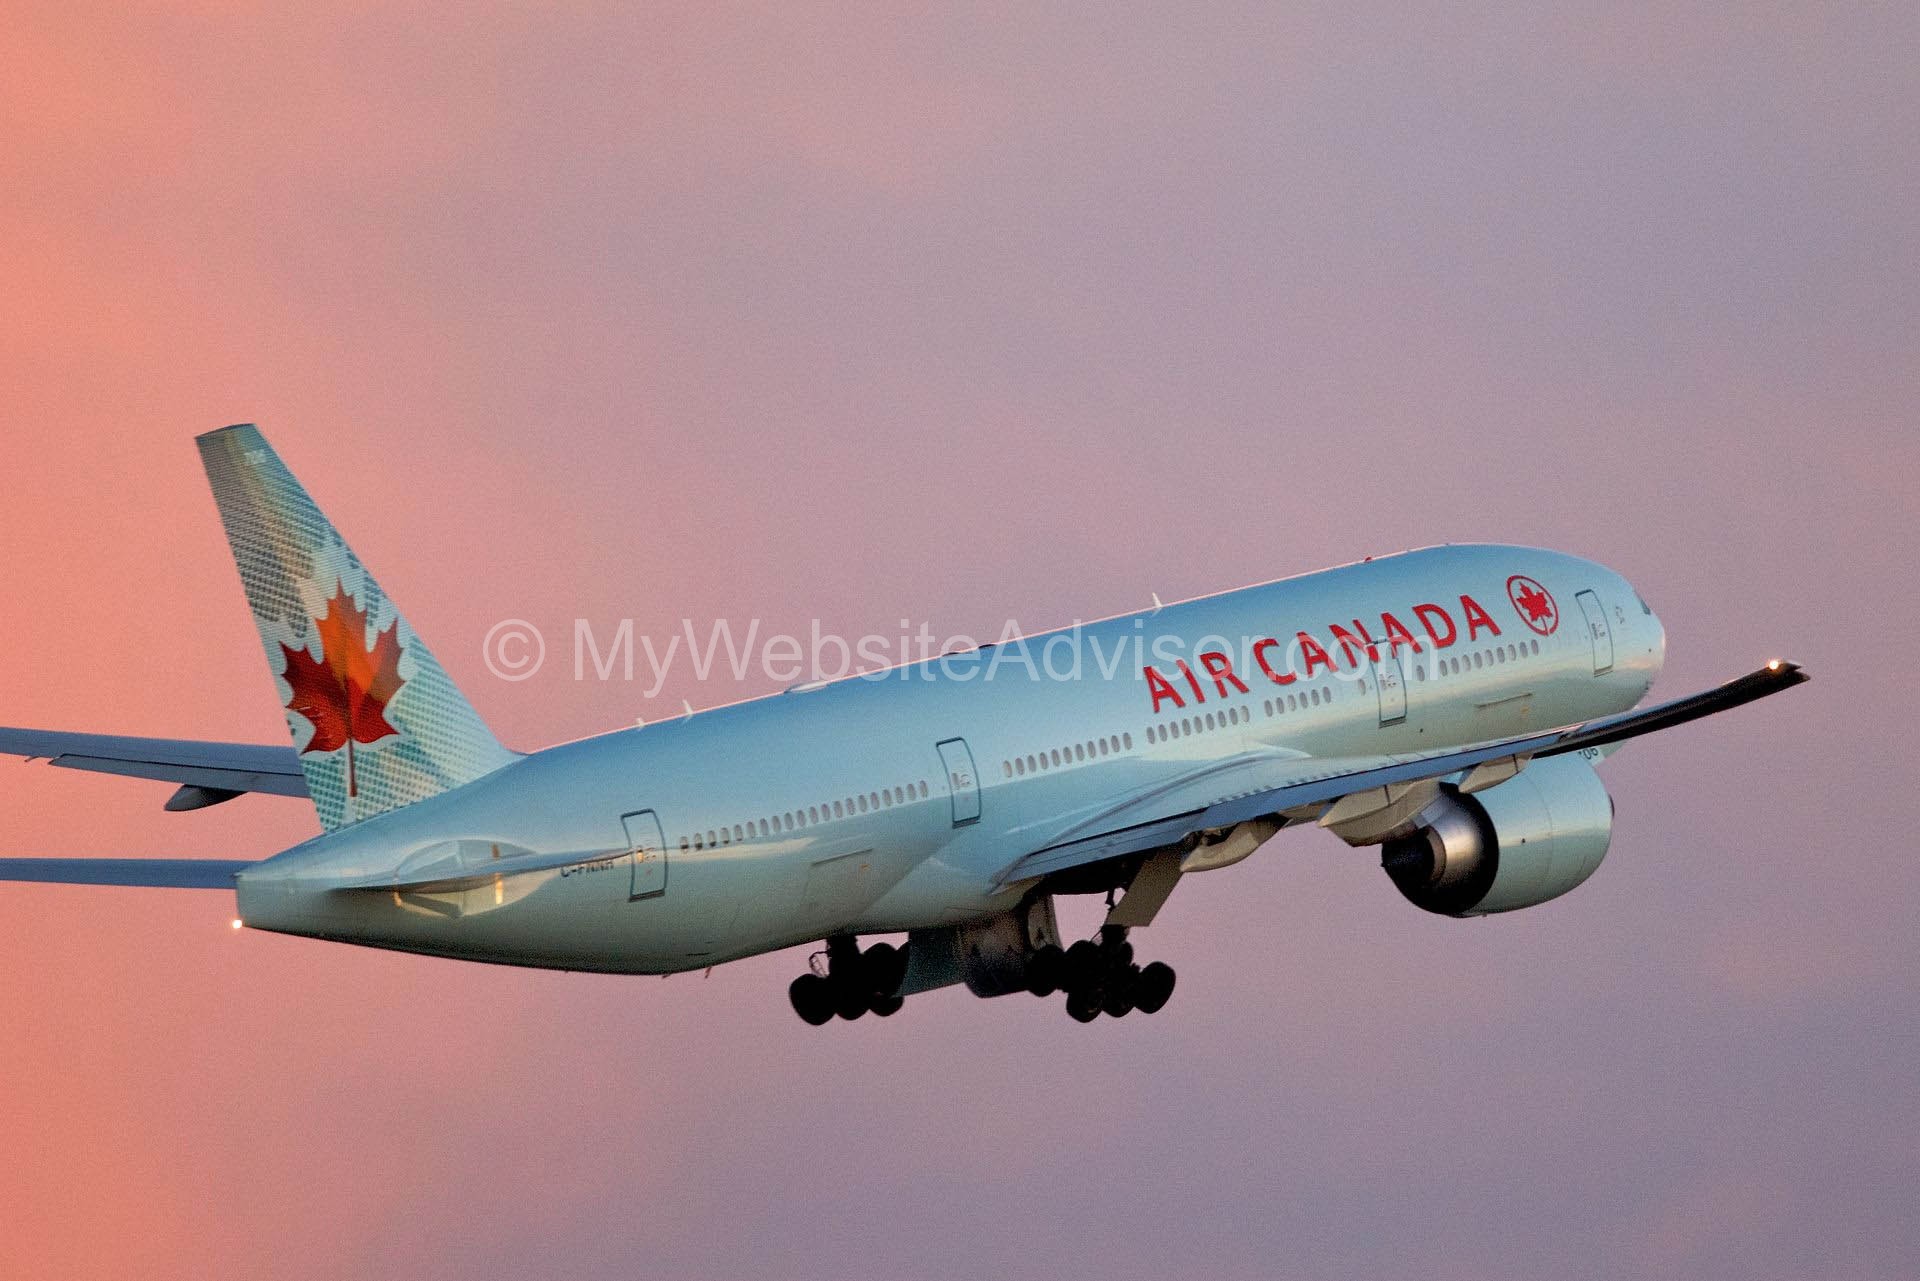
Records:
x=1045, y=969
x=1154, y=987
x=812, y=998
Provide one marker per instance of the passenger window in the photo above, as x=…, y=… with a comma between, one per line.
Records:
x=1129, y=742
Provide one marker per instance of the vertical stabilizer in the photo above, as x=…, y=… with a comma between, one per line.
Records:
x=377, y=721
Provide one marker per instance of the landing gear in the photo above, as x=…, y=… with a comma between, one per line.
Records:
x=850, y=983
x=1099, y=977
x=812, y=998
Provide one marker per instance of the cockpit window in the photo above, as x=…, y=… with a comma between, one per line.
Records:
x=1643, y=604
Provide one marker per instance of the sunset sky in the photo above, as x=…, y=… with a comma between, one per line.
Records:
x=962, y=315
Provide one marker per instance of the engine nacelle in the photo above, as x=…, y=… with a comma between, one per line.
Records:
x=1527, y=840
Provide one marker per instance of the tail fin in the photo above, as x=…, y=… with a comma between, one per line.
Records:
x=377, y=721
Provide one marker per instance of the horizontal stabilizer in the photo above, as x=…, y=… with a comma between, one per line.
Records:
x=166, y=873
x=215, y=767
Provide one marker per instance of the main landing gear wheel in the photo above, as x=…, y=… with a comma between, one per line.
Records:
x=812, y=998
x=1153, y=987
x=851, y=984
x=1101, y=978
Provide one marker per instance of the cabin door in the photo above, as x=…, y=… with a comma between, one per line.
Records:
x=1597, y=629
x=649, y=852
x=962, y=782
x=1392, y=679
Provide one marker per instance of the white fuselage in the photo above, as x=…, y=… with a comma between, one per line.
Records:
x=847, y=808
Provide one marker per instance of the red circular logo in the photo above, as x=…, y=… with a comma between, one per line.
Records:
x=1534, y=604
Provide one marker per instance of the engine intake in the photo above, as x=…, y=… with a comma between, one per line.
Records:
x=1527, y=840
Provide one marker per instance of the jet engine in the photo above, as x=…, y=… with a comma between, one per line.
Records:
x=1522, y=842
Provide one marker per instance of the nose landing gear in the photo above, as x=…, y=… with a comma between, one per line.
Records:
x=850, y=983
x=1100, y=977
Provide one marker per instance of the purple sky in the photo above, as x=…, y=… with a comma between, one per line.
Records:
x=668, y=312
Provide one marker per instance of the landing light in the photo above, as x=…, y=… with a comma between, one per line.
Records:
x=1773, y=664
x=236, y=922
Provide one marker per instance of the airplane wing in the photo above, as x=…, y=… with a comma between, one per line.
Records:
x=168, y=873
x=1080, y=848
x=208, y=773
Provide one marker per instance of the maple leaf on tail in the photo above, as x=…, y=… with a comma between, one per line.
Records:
x=344, y=694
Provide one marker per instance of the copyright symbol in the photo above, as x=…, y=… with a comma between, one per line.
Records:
x=513, y=649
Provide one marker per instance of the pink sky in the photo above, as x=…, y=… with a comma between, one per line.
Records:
x=672, y=312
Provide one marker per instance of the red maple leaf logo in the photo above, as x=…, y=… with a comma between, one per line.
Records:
x=1534, y=603
x=345, y=693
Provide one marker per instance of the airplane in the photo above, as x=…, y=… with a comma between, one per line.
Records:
x=1447, y=706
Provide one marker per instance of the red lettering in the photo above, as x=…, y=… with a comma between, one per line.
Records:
x=1220, y=667
x=1199, y=695
x=1426, y=614
x=1476, y=617
x=1397, y=635
x=1347, y=641
x=1311, y=653
x=1162, y=689
x=1260, y=649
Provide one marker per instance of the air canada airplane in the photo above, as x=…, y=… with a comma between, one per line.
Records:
x=1448, y=705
